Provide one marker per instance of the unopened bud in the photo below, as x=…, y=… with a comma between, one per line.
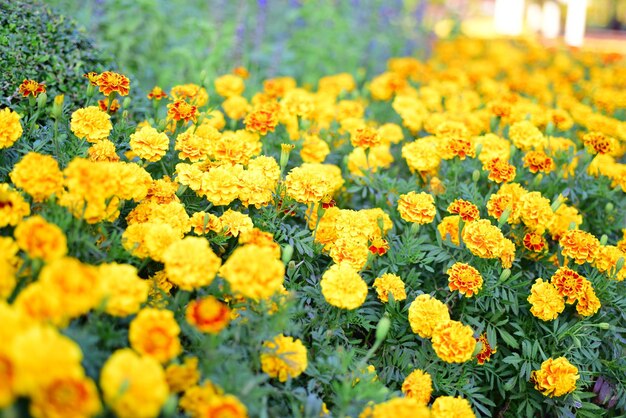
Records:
x=41, y=100
x=169, y=409
x=57, y=106
x=476, y=176
x=609, y=207
x=125, y=114
x=126, y=103
x=291, y=268
x=285, y=150
x=90, y=90
x=382, y=329
x=287, y=253
x=506, y=273
x=603, y=239
x=537, y=180
x=415, y=228
x=504, y=217
x=604, y=325
x=619, y=265
x=479, y=148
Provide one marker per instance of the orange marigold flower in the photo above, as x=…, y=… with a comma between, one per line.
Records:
x=110, y=82
x=537, y=161
x=419, y=386
x=449, y=226
x=483, y=239
x=67, y=396
x=467, y=210
x=154, y=333
x=365, y=137
x=32, y=87
x=453, y=342
x=157, y=93
x=556, y=377
x=181, y=377
x=486, y=350
x=40, y=239
x=193, y=93
x=534, y=242
x=500, y=170
x=104, y=105
x=181, y=110
x=417, y=207
x=261, y=120
x=569, y=283
x=547, y=303
x=208, y=314
x=579, y=245
x=464, y=278
x=588, y=303
x=241, y=72
x=92, y=76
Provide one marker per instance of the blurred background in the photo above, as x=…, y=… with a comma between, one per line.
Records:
x=167, y=42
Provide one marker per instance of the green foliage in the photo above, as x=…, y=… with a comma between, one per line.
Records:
x=37, y=43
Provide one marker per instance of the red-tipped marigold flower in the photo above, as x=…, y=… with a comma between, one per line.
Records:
x=92, y=77
x=486, y=351
x=534, y=242
x=114, y=107
x=379, y=246
x=157, y=93
x=537, y=161
x=32, y=87
x=500, y=170
x=110, y=82
x=464, y=278
x=181, y=110
x=467, y=210
x=261, y=120
x=208, y=314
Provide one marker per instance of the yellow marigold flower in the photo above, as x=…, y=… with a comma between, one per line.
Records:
x=181, y=110
x=568, y=283
x=7, y=282
x=422, y=155
x=159, y=288
x=195, y=399
x=526, y=136
x=547, y=303
x=38, y=303
x=493, y=147
x=236, y=107
x=233, y=223
x=507, y=198
x=31, y=87
x=40, y=239
x=579, y=245
x=564, y=216
x=453, y=342
x=390, y=284
x=390, y=133
x=500, y=170
x=91, y=123
x=537, y=161
x=191, y=146
x=284, y=357
x=149, y=144
x=384, y=86
x=556, y=377
x=262, y=120
x=190, y=263
x=229, y=85
x=92, y=76
x=449, y=226
x=417, y=207
x=335, y=84
x=202, y=223
x=483, y=239
x=181, y=377
x=377, y=157
x=208, y=314
x=230, y=405
x=606, y=261
x=110, y=82
x=103, y=150
x=588, y=303
x=261, y=238
x=425, y=314
x=457, y=146
x=464, y=278
x=149, y=239
x=507, y=255
x=221, y=185
x=133, y=386
x=10, y=127
x=311, y=183
x=419, y=386
x=124, y=291
x=41, y=355
x=535, y=212
x=157, y=93
x=466, y=210
x=13, y=207
x=398, y=408
x=365, y=137
x=314, y=149
x=192, y=93
x=253, y=272
x=350, y=250
x=66, y=397
x=486, y=351
x=154, y=333
x=343, y=287
x=451, y=407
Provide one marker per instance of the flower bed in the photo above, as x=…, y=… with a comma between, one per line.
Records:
x=446, y=239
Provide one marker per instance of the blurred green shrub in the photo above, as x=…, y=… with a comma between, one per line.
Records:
x=39, y=44
x=172, y=41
